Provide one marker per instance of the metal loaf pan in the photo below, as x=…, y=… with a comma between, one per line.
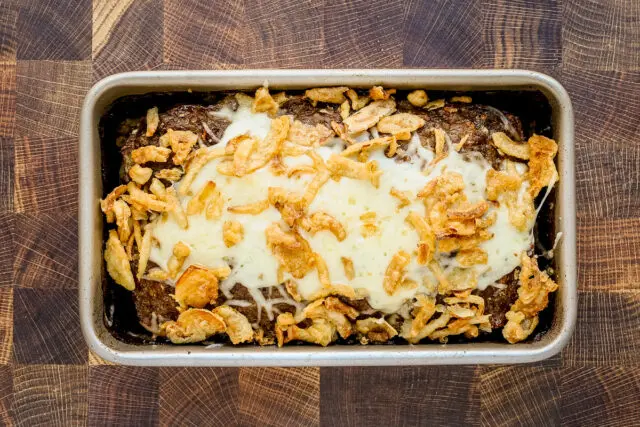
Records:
x=104, y=344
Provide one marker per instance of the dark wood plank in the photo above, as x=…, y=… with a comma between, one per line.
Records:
x=434, y=395
x=606, y=331
x=46, y=252
x=198, y=396
x=46, y=174
x=46, y=327
x=362, y=34
x=6, y=325
x=278, y=396
x=51, y=395
x=289, y=35
x=601, y=35
x=49, y=96
x=7, y=174
x=608, y=254
x=443, y=33
x=54, y=30
x=607, y=141
x=6, y=395
x=127, y=36
x=8, y=33
x=604, y=396
x=123, y=395
x=7, y=98
x=202, y=35
x=522, y=33
x=520, y=396
x=7, y=249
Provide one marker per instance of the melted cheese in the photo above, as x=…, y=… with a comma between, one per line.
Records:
x=254, y=265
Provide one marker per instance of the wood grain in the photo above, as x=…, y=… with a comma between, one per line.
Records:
x=362, y=33
x=607, y=330
x=200, y=35
x=607, y=141
x=437, y=395
x=601, y=35
x=443, y=33
x=54, y=30
x=7, y=251
x=122, y=395
x=277, y=396
x=51, y=395
x=46, y=174
x=8, y=33
x=522, y=33
x=198, y=396
x=46, y=255
x=604, y=396
x=291, y=35
x=507, y=394
x=6, y=325
x=7, y=99
x=49, y=96
x=7, y=174
x=6, y=395
x=46, y=327
x=608, y=252
x=127, y=35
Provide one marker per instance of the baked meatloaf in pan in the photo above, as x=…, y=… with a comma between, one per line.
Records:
x=312, y=219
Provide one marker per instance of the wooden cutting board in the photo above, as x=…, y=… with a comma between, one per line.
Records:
x=51, y=52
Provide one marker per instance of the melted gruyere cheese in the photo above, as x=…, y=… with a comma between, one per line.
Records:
x=253, y=264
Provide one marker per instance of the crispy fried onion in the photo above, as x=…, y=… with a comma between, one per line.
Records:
x=307, y=135
x=378, y=93
x=542, y=171
x=404, y=197
x=509, y=147
x=144, y=249
x=319, y=221
x=329, y=318
x=400, y=124
x=118, y=262
x=150, y=153
x=292, y=251
x=140, y=175
x=200, y=158
x=179, y=254
x=237, y=325
x=375, y=329
x=145, y=201
x=533, y=297
x=123, y=219
x=153, y=119
x=506, y=187
x=264, y=103
x=250, y=155
x=349, y=270
x=369, y=116
x=209, y=199
x=340, y=166
x=106, y=204
x=418, y=98
x=232, y=233
x=394, y=276
x=363, y=148
x=181, y=142
x=331, y=95
x=357, y=102
x=427, y=243
x=172, y=175
x=461, y=314
x=198, y=286
x=193, y=325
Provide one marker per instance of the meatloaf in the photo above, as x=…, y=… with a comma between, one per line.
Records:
x=330, y=215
